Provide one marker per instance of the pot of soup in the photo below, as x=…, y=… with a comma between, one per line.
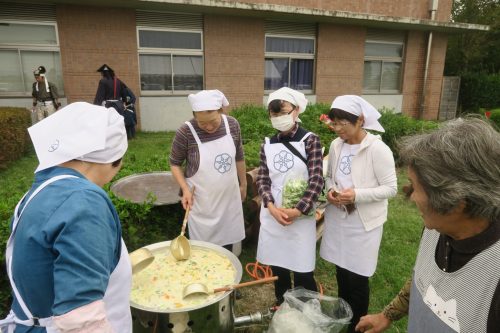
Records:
x=156, y=298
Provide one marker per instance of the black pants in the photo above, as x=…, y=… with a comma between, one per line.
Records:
x=284, y=281
x=354, y=289
x=228, y=247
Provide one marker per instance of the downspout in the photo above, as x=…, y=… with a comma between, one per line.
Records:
x=433, y=9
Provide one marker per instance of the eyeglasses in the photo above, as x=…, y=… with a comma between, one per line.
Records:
x=281, y=113
x=340, y=125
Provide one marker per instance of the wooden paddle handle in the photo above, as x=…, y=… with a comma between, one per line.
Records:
x=184, y=222
x=246, y=284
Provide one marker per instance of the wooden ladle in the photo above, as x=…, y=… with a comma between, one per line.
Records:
x=200, y=288
x=180, y=247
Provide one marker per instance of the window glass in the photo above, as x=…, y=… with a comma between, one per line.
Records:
x=188, y=73
x=52, y=63
x=170, y=39
x=156, y=72
x=164, y=69
x=301, y=73
x=383, y=50
x=289, y=45
x=276, y=75
x=371, y=79
x=391, y=73
x=34, y=34
x=10, y=72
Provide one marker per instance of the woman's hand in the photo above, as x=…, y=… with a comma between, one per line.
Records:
x=346, y=197
x=187, y=199
x=279, y=215
x=292, y=213
x=374, y=323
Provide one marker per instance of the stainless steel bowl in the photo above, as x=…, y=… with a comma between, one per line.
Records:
x=214, y=316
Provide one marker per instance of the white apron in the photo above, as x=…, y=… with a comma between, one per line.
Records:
x=217, y=212
x=116, y=297
x=294, y=246
x=345, y=241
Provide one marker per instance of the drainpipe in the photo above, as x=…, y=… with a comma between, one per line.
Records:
x=433, y=6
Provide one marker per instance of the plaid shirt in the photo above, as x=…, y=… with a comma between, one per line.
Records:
x=314, y=168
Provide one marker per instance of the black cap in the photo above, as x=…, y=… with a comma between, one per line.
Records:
x=104, y=68
x=39, y=70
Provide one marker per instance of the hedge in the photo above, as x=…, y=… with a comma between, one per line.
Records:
x=255, y=125
x=14, y=138
x=479, y=90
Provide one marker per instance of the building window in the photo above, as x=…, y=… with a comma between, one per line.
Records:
x=289, y=62
x=170, y=61
x=383, y=68
x=24, y=47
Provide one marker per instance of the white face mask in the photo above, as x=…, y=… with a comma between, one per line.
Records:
x=283, y=123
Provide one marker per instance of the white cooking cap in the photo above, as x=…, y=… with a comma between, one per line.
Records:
x=207, y=100
x=80, y=131
x=287, y=94
x=359, y=106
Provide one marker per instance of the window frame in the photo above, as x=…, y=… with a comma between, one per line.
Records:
x=171, y=52
x=23, y=47
x=290, y=57
x=382, y=60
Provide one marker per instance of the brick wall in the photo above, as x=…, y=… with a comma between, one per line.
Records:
x=407, y=8
x=416, y=50
x=340, y=59
x=234, y=58
x=90, y=37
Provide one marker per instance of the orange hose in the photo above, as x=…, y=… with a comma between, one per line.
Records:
x=258, y=271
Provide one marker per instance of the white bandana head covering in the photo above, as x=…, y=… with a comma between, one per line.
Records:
x=207, y=100
x=80, y=131
x=359, y=106
x=287, y=94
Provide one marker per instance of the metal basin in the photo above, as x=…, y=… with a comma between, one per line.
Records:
x=137, y=187
x=214, y=316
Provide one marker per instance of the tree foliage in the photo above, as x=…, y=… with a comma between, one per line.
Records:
x=475, y=51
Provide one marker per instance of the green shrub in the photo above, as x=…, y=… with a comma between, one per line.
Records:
x=255, y=125
x=14, y=138
x=495, y=118
x=479, y=90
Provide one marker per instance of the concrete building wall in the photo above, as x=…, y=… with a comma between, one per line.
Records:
x=339, y=61
x=408, y=8
x=234, y=57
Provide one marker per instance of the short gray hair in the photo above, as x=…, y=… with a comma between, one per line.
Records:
x=459, y=161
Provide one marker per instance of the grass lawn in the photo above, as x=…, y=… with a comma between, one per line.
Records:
x=149, y=151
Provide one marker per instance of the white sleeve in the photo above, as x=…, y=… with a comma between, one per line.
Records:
x=90, y=318
x=385, y=172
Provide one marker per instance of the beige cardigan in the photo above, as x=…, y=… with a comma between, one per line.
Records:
x=373, y=175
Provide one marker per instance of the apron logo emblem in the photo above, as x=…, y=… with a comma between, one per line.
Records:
x=53, y=147
x=283, y=161
x=223, y=163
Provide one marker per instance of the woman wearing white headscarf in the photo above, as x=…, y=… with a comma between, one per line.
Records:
x=67, y=263
x=360, y=178
x=210, y=147
x=287, y=237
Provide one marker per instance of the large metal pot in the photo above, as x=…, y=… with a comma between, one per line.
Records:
x=214, y=316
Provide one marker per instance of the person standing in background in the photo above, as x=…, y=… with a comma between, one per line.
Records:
x=110, y=88
x=45, y=97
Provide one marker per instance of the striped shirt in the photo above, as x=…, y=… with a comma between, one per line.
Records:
x=314, y=167
x=185, y=148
